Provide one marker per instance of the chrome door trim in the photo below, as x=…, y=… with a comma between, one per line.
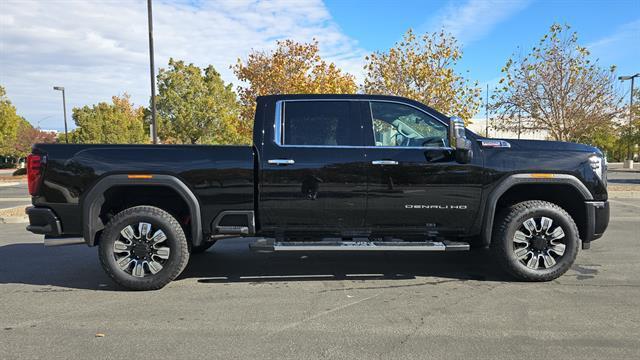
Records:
x=384, y=162
x=278, y=133
x=281, y=161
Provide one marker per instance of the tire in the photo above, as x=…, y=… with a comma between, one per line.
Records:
x=200, y=248
x=153, y=260
x=537, y=253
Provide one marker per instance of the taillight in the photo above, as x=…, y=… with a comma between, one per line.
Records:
x=34, y=173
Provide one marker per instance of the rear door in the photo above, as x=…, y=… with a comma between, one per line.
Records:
x=313, y=169
x=415, y=184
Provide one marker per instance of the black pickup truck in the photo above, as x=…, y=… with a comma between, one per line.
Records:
x=325, y=173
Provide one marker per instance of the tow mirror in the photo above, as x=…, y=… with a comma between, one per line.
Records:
x=458, y=140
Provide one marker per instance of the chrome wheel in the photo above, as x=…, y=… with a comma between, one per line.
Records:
x=538, y=243
x=141, y=252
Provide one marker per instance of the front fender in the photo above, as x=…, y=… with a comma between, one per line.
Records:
x=516, y=179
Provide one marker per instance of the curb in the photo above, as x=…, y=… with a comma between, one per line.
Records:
x=2, y=184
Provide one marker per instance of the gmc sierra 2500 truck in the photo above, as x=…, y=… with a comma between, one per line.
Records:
x=325, y=173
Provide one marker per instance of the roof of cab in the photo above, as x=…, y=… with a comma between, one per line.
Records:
x=360, y=97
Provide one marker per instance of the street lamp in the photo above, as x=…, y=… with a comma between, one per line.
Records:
x=154, y=130
x=64, y=110
x=624, y=78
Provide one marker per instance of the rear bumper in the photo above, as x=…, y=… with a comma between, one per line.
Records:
x=597, y=221
x=43, y=221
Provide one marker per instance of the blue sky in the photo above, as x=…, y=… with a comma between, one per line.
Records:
x=97, y=49
x=377, y=26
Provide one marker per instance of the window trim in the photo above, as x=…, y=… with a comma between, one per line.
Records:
x=278, y=126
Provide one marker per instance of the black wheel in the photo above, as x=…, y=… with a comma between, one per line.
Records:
x=200, y=248
x=143, y=248
x=535, y=240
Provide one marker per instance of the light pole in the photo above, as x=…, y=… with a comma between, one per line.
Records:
x=624, y=78
x=154, y=131
x=64, y=110
x=486, y=112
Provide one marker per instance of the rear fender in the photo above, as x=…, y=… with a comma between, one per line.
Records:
x=92, y=202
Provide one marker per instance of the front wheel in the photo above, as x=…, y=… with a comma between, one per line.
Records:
x=535, y=241
x=143, y=248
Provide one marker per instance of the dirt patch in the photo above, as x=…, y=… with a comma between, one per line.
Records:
x=14, y=211
x=628, y=187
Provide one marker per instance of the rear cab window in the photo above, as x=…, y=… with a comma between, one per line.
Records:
x=320, y=123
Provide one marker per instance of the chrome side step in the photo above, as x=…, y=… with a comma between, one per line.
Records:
x=270, y=245
x=61, y=241
x=239, y=230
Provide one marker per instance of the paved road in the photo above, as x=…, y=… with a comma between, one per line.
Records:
x=623, y=177
x=233, y=304
x=14, y=195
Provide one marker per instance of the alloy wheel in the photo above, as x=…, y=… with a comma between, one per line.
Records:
x=538, y=243
x=141, y=253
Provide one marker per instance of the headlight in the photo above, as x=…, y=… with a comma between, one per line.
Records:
x=597, y=165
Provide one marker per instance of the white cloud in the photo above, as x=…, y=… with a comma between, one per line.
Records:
x=623, y=45
x=99, y=49
x=473, y=19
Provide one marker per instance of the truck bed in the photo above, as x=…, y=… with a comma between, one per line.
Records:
x=221, y=177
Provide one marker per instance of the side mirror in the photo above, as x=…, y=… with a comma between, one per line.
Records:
x=458, y=140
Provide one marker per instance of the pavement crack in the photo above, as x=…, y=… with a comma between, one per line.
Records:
x=320, y=314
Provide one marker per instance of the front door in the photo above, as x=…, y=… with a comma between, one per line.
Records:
x=415, y=184
x=313, y=169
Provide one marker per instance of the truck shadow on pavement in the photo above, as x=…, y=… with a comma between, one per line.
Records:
x=77, y=267
x=231, y=261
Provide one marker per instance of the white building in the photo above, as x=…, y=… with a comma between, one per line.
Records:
x=479, y=126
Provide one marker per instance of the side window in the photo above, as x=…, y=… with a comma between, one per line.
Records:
x=322, y=123
x=402, y=125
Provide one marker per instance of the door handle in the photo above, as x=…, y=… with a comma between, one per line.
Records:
x=281, y=162
x=384, y=162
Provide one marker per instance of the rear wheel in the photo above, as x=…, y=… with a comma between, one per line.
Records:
x=535, y=240
x=143, y=248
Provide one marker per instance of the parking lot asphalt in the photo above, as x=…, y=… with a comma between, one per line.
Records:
x=14, y=194
x=231, y=303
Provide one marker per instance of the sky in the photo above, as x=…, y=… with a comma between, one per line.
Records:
x=97, y=49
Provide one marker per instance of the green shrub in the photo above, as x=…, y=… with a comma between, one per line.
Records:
x=19, y=172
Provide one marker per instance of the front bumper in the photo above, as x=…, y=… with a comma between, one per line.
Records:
x=597, y=221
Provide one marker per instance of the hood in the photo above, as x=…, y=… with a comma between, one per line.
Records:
x=550, y=146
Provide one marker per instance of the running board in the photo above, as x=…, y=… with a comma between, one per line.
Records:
x=270, y=245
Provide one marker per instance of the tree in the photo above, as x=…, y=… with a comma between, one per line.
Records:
x=196, y=106
x=292, y=68
x=422, y=68
x=117, y=123
x=9, y=121
x=557, y=88
x=27, y=135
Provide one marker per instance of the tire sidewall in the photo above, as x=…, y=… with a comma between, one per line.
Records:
x=571, y=241
x=175, y=236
